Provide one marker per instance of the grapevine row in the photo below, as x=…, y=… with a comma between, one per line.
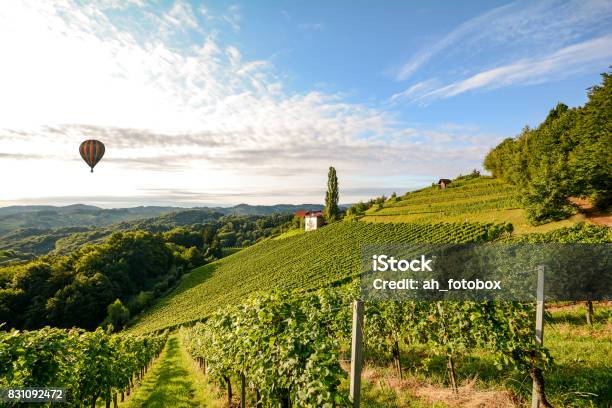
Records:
x=89, y=365
x=285, y=346
x=288, y=347
x=306, y=262
x=453, y=207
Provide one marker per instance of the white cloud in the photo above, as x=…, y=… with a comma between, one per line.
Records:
x=521, y=42
x=425, y=54
x=578, y=58
x=72, y=65
x=232, y=16
x=312, y=26
x=181, y=15
x=415, y=90
x=518, y=29
x=182, y=115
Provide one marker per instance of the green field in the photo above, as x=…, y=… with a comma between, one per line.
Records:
x=304, y=261
x=460, y=197
x=483, y=199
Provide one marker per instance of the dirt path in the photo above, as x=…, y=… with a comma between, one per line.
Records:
x=593, y=215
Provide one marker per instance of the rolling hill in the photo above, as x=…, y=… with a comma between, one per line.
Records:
x=473, y=209
x=305, y=261
x=38, y=230
x=77, y=215
x=46, y=217
x=466, y=199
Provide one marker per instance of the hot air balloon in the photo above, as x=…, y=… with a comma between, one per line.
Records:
x=91, y=151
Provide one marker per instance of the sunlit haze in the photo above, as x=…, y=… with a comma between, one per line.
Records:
x=219, y=103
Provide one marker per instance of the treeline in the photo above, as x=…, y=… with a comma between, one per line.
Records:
x=106, y=283
x=359, y=209
x=75, y=290
x=242, y=231
x=567, y=155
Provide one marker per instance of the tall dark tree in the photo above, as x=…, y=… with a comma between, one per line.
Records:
x=331, y=198
x=118, y=315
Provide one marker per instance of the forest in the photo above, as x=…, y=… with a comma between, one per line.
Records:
x=567, y=155
x=106, y=282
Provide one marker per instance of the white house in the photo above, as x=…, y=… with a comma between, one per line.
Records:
x=312, y=219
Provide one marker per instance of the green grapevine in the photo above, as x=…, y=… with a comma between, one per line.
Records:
x=90, y=365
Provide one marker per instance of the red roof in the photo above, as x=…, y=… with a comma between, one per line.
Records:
x=306, y=213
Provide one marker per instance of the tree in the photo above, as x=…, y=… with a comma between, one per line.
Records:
x=331, y=198
x=194, y=257
x=567, y=155
x=118, y=315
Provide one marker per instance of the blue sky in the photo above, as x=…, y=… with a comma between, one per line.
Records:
x=360, y=49
x=224, y=102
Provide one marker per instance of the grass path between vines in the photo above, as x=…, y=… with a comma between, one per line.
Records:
x=173, y=382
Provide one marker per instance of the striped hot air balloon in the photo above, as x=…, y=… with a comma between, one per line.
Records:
x=91, y=151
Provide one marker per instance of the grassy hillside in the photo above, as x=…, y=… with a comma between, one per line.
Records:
x=304, y=261
x=470, y=210
x=483, y=199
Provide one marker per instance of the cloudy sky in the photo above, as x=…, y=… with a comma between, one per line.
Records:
x=226, y=102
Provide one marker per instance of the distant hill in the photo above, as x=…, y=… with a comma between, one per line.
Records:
x=246, y=209
x=46, y=217
x=78, y=215
x=39, y=230
x=19, y=209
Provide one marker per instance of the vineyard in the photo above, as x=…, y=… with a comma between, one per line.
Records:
x=91, y=366
x=290, y=348
x=460, y=197
x=271, y=325
x=306, y=262
x=286, y=350
x=482, y=199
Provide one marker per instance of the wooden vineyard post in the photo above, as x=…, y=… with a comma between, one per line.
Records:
x=539, y=332
x=242, y=391
x=356, y=352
